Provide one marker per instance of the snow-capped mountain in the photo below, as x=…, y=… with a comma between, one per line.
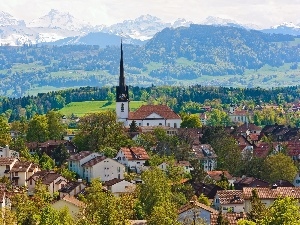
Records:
x=143, y=27
x=181, y=23
x=62, y=20
x=8, y=20
x=284, y=28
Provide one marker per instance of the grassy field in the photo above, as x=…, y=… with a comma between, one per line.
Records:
x=82, y=108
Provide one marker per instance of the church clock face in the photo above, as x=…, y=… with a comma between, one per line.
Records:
x=122, y=96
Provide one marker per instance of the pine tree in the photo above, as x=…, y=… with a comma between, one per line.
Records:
x=133, y=127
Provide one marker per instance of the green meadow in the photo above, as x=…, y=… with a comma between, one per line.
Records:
x=82, y=108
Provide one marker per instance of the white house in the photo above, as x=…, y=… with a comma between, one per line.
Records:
x=21, y=171
x=154, y=115
x=52, y=180
x=6, y=164
x=119, y=186
x=133, y=158
x=6, y=152
x=102, y=168
x=75, y=161
x=229, y=201
x=206, y=155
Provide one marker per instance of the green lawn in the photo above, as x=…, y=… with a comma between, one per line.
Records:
x=82, y=108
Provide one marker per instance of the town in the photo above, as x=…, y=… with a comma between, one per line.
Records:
x=150, y=166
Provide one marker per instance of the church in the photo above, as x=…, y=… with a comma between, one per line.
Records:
x=146, y=115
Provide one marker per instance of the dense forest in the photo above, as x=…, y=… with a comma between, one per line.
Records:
x=181, y=99
x=171, y=56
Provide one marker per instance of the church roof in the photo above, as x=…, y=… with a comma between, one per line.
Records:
x=145, y=110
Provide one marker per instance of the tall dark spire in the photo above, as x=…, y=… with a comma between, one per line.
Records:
x=122, y=77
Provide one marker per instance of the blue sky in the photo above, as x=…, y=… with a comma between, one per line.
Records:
x=264, y=13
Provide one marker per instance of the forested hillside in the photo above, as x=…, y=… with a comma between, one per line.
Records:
x=198, y=54
x=180, y=99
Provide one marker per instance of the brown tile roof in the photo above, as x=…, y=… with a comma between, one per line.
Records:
x=46, y=177
x=247, y=126
x=70, y=186
x=197, y=205
x=79, y=155
x=112, y=182
x=204, y=151
x=217, y=174
x=93, y=161
x=232, y=218
x=145, y=110
x=272, y=193
x=253, y=137
x=6, y=161
x=230, y=197
x=21, y=166
x=135, y=153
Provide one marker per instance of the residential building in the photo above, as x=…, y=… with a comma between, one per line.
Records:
x=6, y=165
x=206, y=155
x=194, y=211
x=49, y=146
x=72, y=188
x=209, y=190
x=229, y=201
x=102, y=168
x=133, y=158
x=119, y=186
x=216, y=175
x=75, y=161
x=52, y=180
x=6, y=152
x=21, y=171
x=203, y=118
x=269, y=195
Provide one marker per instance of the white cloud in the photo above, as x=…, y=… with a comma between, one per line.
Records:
x=261, y=12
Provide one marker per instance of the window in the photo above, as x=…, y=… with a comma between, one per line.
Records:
x=140, y=124
x=30, y=182
x=138, y=162
x=118, y=169
x=217, y=200
x=175, y=125
x=119, y=177
x=147, y=124
x=7, y=167
x=168, y=124
x=122, y=107
x=160, y=124
x=16, y=174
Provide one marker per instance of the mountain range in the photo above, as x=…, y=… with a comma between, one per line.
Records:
x=61, y=28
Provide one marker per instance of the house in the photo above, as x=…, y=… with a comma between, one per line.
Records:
x=72, y=188
x=269, y=195
x=21, y=171
x=52, y=180
x=5, y=201
x=6, y=152
x=206, y=155
x=49, y=146
x=102, y=168
x=229, y=201
x=247, y=129
x=6, y=164
x=155, y=115
x=193, y=211
x=216, y=175
x=133, y=158
x=238, y=116
x=75, y=161
x=185, y=165
x=119, y=186
x=72, y=203
x=203, y=118
x=244, y=181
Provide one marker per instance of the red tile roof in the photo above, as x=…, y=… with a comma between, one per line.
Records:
x=216, y=174
x=230, y=197
x=231, y=217
x=112, y=182
x=145, y=110
x=269, y=193
x=21, y=167
x=135, y=153
x=93, y=161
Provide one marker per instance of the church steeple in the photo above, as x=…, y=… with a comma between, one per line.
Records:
x=122, y=89
x=122, y=77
